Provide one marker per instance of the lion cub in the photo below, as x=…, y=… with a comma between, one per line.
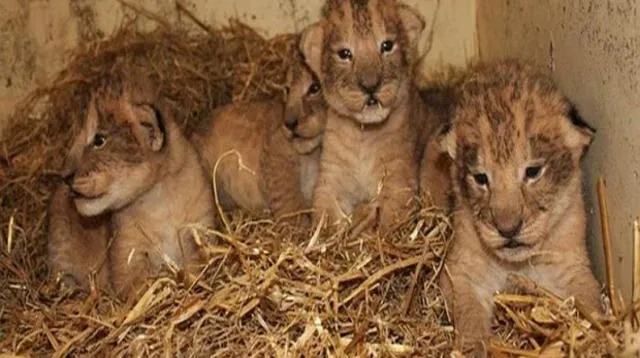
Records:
x=517, y=145
x=363, y=53
x=131, y=160
x=279, y=145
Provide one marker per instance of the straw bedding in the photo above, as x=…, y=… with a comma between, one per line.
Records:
x=269, y=289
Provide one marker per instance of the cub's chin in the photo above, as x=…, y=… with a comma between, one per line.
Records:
x=518, y=251
x=354, y=105
x=306, y=145
x=115, y=197
x=372, y=114
x=516, y=254
x=92, y=206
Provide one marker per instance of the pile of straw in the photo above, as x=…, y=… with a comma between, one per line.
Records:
x=268, y=289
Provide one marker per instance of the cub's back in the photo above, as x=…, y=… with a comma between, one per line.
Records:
x=239, y=127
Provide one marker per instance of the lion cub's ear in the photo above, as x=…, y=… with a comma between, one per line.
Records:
x=311, y=46
x=579, y=133
x=148, y=126
x=412, y=22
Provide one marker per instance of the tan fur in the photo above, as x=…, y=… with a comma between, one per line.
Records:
x=243, y=128
x=371, y=138
x=148, y=176
x=77, y=247
x=510, y=118
x=279, y=144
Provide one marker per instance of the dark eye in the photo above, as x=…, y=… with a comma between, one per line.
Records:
x=386, y=46
x=481, y=179
x=99, y=141
x=287, y=90
x=345, y=54
x=313, y=89
x=532, y=173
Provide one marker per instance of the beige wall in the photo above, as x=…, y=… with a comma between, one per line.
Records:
x=593, y=47
x=36, y=35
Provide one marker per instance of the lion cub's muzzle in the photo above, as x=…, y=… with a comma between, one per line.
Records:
x=85, y=187
x=510, y=232
x=370, y=89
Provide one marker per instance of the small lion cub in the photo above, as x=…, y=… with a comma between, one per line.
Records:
x=517, y=145
x=363, y=53
x=276, y=147
x=131, y=160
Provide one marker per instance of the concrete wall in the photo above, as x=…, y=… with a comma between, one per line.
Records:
x=37, y=35
x=593, y=48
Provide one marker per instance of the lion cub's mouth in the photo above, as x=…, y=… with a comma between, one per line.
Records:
x=76, y=195
x=514, y=245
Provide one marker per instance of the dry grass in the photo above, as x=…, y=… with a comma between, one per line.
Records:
x=268, y=289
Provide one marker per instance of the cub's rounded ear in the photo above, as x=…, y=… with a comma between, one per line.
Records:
x=579, y=133
x=412, y=22
x=311, y=45
x=151, y=125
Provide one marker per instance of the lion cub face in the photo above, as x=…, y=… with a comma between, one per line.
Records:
x=306, y=111
x=362, y=51
x=116, y=156
x=517, y=145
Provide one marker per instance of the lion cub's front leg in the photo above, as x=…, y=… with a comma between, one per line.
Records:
x=131, y=257
x=471, y=318
x=398, y=186
x=330, y=201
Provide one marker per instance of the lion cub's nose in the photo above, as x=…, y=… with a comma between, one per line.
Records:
x=68, y=178
x=291, y=124
x=370, y=87
x=510, y=232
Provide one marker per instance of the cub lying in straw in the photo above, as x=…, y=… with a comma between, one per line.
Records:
x=131, y=160
x=363, y=53
x=277, y=148
x=517, y=145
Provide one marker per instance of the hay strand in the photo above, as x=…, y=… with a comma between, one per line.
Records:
x=606, y=244
x=636, y=266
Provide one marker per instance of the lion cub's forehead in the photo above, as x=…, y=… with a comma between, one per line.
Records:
x=510, y=113
x=113, y=113
x=362, y=17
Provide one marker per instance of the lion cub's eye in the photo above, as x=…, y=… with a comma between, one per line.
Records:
x=313, y=89
x=345, y=54
x=533, y=172
x=99, y=140
x=481, y=179
x=386, y=46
